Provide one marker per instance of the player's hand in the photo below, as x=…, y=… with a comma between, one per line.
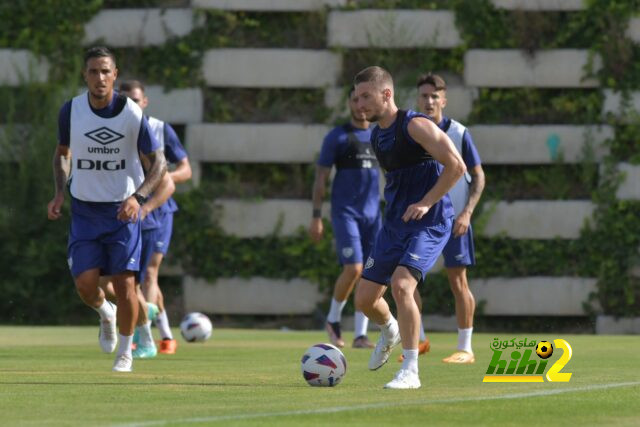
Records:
x=128, y=210
x=54, y=207
x=415, y=211
x=461, y=224
x=315, y=229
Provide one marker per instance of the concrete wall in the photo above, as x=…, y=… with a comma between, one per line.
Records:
x=19, y=66
x=268, y=5
x=278, y=68
x=540, y=5
x=561, y=68
x=393, y=28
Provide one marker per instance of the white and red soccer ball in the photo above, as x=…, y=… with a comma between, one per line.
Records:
x=195, y=327
x=323, y=365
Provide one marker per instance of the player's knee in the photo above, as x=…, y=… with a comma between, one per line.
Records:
x=363, y=300
x=402, y=291
x=352, y=271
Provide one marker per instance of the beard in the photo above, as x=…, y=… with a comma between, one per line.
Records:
x=373, y=118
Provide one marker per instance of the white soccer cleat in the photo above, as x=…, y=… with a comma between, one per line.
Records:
x=107, y=336
x=404, y=379
x=123, y=363
x=382, y=351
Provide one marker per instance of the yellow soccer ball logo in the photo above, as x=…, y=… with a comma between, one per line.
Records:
x=544, y=349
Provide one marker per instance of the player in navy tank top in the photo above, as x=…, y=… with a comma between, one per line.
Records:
x=421, y=165
x=102, y=138
x=355, y=212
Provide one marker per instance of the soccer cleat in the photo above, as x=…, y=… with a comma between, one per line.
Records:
x=382, y=351
x=404, y=379
x=145, y=352
x=460, y=358
x=107, y=335
x=362, y=342
x=168, y=346
x=333, y=329
x=136, y=339
x=423, y=348
x=123, y=363
x=152, y=311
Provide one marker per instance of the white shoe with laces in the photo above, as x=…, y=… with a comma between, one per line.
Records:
x=123, y=363
x=404, y=379
x=107, y=335
x=382, y=351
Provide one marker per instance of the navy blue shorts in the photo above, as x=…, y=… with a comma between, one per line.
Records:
x=155, y=241
x=459, y=251
x=354, y=237
x=417, y=249
x=109, y=244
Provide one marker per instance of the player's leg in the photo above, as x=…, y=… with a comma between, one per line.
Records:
x=107, y=287
x=465, y=309
x=143, y=345
x=424, y=345
x=93, y=296
x=369, y=228
x=125, y=288
x=458, y=254
x=347, y=238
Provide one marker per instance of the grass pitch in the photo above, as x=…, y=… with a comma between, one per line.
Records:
x=52, y=376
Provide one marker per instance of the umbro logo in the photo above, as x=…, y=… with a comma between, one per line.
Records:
x=104, y=135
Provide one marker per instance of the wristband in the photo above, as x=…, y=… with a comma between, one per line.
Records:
x=139, y=198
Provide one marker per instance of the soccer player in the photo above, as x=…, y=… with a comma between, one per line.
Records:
x=158, y=226
x=421, y=165
x=355, y=212
x=102, y=138
x=465, y=194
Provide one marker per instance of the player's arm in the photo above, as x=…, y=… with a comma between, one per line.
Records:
x=161, y=195
x=316, y=227
x=182, y=172
x=475, y=192
x=438, y=144
x=130, y=207
x=61, y=172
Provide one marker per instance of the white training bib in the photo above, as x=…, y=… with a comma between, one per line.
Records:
x=459, y=193
x=157, y=129
x=104, y=151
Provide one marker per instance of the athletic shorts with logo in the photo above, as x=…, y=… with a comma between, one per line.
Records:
x=459, y=251
x=416, y=248
x=354, y=237
x=155, y=240
x=98, y=239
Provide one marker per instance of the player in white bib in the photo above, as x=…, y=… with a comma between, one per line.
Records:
x=100, y=136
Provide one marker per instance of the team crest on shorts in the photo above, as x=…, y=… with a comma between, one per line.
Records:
x=347, y=252
x=369, y=263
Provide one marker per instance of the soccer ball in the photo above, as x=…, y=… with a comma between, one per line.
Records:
x=544, y=349
x=195, y=327
x=323, y=365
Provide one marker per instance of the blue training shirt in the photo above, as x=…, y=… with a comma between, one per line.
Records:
x=354, y=190
x=409, y=181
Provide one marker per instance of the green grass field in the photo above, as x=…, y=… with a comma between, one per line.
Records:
x=58, y=376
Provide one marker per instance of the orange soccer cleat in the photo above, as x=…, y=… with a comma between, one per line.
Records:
x=168, y=346
x=423, y=348
x=460, y=357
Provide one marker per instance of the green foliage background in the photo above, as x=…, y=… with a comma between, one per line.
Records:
x=37, y=287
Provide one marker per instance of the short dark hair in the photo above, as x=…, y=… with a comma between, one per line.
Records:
x=129, y=85
x=98, y=52
x=374, y=74
x=433, y=80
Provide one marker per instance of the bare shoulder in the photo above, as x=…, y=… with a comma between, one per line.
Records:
x=421, y=126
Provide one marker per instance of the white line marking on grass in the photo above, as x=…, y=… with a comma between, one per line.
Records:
x=376, y=406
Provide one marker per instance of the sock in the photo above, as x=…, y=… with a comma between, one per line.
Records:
x=410, y=360
x=361, y=324
x=144, y=331
x=162, y=322
x=335, y=312
x=390, y=329
x=106, y=310
x=464, y=339
x=423, y=336
x=125, y=344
